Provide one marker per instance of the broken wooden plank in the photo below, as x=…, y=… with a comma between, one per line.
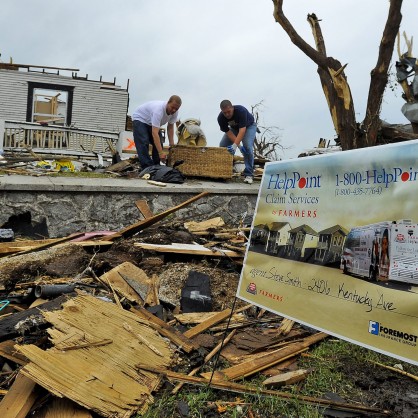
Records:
x=20, y=398
x=205, y=325
x=62, y=408
x=143, y=207
x=25, y=243
x=248, y=368
x=286, y=326
x=152, y=297
x=213, y=223
x=230, y=230
x=192, y=249
x=208, y=357
x=18, y=249
x=166, y=330
x=50, y=244
x=82, y=374
x=139, y=226
x=199, y=317
x=8, y=351
x=288, y=378
x=119, y=278
x=28, y=319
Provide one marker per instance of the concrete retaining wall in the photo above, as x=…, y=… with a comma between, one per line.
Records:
x=73, y=208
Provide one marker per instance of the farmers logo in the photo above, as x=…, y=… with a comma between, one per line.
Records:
x=252, y=288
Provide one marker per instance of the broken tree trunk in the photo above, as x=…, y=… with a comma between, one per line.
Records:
x=334, y=82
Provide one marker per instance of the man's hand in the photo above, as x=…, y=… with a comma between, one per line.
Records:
x=232, y=148
x=163, y=157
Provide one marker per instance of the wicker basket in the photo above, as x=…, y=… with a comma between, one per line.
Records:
x=215, y=162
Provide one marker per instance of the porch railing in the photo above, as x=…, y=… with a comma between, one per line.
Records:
x=52, y=139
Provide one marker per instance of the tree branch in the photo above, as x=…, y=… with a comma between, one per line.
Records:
x=379, y=75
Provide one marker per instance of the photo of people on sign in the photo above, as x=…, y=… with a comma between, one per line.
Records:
x=334, y=245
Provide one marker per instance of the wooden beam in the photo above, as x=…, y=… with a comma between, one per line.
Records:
x=213, y=320
x=50, y=244
x=236, y=387
x=5, y=64
x=192, y=249
x=143, y=207
x=20, y=398
x=288, y=378
x=208, y=357
x=145, y=223
x=269, y=359
x=8, y=351
x=166, y=330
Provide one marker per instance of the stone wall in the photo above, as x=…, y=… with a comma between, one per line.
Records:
x=67, y=212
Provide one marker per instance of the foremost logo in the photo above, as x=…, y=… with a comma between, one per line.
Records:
x=376, y=328
x=288, y=181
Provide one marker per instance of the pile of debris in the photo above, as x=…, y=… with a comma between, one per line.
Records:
x=95, y=323
x=37, y=165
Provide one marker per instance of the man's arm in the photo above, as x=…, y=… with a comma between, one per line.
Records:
x=157, y=140
x=170, y=134
x=236, y=139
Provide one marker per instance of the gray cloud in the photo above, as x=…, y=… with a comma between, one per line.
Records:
x=208, y=51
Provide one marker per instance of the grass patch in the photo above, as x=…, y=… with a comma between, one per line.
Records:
x=327, y=360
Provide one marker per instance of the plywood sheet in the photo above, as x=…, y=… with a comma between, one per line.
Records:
x=100, y=377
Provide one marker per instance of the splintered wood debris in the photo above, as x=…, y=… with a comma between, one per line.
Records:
x=100, y=377
x=110, y=329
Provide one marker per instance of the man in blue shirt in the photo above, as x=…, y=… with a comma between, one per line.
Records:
x=240, y=129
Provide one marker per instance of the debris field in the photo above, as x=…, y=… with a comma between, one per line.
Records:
x=99, y=324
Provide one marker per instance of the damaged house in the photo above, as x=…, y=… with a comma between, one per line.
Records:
x=48, y=112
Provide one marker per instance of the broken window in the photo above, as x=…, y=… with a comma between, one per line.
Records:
x=49, y=106
x=49, y=103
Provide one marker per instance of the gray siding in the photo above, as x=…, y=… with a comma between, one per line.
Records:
x=94, y=107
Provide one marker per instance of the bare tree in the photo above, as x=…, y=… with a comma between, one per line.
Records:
x=267, y=143
x=352, y=134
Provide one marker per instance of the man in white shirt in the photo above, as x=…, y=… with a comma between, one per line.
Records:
x=147, y=120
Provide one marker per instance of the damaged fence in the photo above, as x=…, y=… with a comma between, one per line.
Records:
x=55, y=139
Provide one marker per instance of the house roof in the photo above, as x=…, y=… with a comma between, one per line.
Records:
x=304, y=228
x=333, y=229
x=277, y=226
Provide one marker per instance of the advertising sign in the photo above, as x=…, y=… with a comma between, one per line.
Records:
x=334, y=245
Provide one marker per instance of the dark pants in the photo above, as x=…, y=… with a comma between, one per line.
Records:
x=143, y=138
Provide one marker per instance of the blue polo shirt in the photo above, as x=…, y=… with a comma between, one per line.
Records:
x=241, y=118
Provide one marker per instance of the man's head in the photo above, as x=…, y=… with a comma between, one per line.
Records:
x=173, y=104
x=227, y=109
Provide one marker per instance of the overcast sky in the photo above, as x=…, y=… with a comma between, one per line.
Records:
x=207, y=51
